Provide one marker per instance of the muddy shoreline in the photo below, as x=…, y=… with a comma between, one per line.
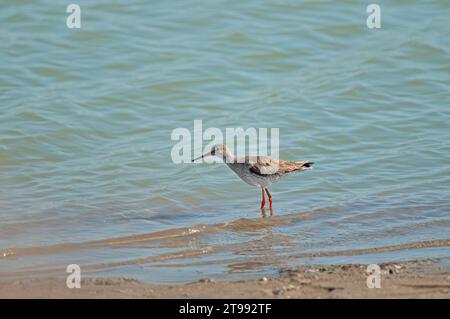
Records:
x=413, y=279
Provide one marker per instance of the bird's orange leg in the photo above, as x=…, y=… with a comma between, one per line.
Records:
x=263, y=200
x=270, y=200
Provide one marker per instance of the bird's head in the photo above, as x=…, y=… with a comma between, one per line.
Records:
x=219, y=150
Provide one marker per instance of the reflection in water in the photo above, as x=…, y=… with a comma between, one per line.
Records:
x=244, y=246
x=86, y=117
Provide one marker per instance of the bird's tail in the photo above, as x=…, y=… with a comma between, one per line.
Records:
x=290, y=167
x=301, y=166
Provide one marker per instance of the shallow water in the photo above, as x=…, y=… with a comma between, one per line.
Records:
x=86, y=115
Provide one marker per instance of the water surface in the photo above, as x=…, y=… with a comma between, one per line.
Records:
x=86, y=115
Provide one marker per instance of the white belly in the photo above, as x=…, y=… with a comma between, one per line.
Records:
x=253, y=179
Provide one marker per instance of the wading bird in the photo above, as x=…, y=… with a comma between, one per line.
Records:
x=258, y=171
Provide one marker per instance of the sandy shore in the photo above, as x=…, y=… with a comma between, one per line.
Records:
x=422, y=279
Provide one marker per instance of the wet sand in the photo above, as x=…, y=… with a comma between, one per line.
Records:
x=415, y=279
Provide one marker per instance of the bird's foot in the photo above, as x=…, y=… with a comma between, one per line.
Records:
x=263, y=213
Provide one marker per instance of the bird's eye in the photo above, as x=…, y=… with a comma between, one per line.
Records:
x=213, y=151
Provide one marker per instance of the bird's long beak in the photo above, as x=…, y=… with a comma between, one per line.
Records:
x=204, y=155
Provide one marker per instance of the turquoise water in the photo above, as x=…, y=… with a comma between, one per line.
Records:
x=86, y=117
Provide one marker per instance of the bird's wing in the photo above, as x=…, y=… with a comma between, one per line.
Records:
x=263, y=165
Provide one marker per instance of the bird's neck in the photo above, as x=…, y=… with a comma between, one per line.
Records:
x=228, y=158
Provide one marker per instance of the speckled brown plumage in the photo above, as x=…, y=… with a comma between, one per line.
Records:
x=259, y=171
